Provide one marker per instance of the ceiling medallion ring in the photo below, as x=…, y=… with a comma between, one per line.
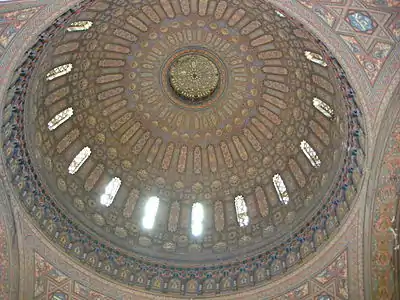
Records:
x=194, y=77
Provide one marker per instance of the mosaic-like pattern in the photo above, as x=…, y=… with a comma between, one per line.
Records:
x=12, y=22
x=52, y=284
x=364, y=28
x=4, y=262
x=383, y=213
x=361, y=21
x=330, y=284
x=136, y=272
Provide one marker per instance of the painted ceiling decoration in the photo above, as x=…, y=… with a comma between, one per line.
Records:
x=194, y=104
x=329, y=283
x=384, y=212
x=369, y=28
x=12, y=22
x=59, y=161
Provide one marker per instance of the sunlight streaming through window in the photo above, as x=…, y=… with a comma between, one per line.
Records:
x=324, y=108
x=197, y=219
x=241, y=211
x=79, y=160
x=111, y=190
x=281, y=189
x=315, y=58
x=60, y=118
x=150, y=212
x=311, y=154
x=79, y=26
x=59, y=71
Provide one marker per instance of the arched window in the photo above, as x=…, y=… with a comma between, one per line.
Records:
x=197, y=218
x=59, y=71
x=79, y=160
x=311, y=154
x=150, y=212
x=241, y=211
x=111, y=190
x=315, y=58
x=79, y=26
x=280, y=14
x=324, y=108
x=281, y=189
x=60, y=118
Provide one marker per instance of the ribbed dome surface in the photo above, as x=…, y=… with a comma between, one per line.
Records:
x=190, y=102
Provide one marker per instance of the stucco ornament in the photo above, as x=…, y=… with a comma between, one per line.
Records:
x=186, y=103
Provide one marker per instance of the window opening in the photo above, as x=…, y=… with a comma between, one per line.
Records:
x=111, y=190
x=311, y=154
x=281, y=189
x=197, y=219
x=150, y=212
x=59, y=71
x=79, y=160
x=60, y=118
x=315, y=58
x=79, y=26
x=324, y=108
x=241, y=211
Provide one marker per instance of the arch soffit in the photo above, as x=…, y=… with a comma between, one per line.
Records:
x=377, y=179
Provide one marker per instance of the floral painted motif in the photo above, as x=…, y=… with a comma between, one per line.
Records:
x=4, y=263
x=395, y=29
x=361, y=21
x=12, y=22
x=386, y=196
x=324, y=14
x=337, y=269
x=373, y=61
x=54, y=283
x=383, y=3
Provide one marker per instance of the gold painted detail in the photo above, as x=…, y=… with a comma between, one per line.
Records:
x=194, y=76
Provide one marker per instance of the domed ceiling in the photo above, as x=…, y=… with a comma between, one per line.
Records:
x=229, y=104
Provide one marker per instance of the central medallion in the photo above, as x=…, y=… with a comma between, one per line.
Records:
x=194, y=77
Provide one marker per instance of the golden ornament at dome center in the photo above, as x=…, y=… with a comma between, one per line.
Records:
x=194, y=76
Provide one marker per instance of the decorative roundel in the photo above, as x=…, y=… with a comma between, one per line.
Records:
x=194, y=77
x=166, y=137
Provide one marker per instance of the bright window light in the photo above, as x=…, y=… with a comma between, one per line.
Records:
x=197, y=219
x=60, y=118
x=111, y=190
x=79, y=160
x=324, y=108
x=59, y=71
x=150, y=212
x=241, y=211
x=315, y=58
x=281, y=189
x=311, y=154
x=79, y=26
